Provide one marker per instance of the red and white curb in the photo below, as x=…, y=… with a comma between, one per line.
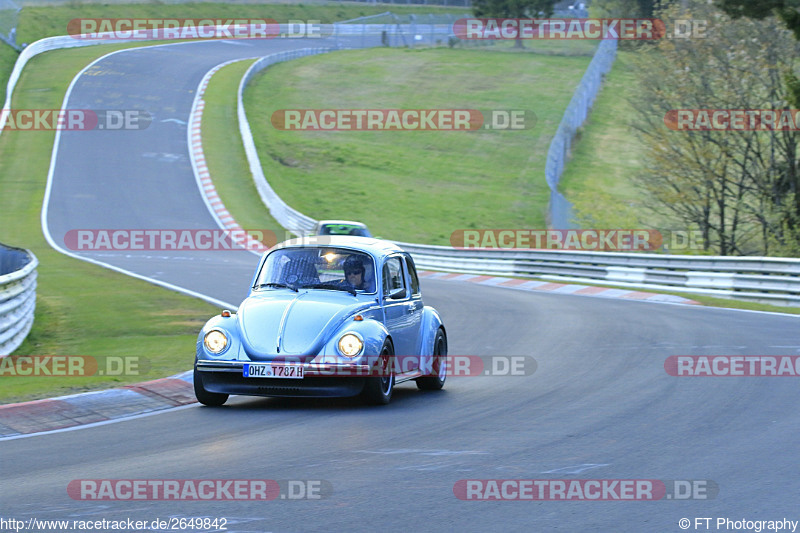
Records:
x=93, y=408
x=202, y=174
x=560, y=288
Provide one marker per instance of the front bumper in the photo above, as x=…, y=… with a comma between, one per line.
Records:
x=319, y=380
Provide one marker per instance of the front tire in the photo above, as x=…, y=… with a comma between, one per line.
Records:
x=378, y=390
x=439, y=371
x=211, y=399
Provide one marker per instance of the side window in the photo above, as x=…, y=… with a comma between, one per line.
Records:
x=412, y=270
x=392, y=275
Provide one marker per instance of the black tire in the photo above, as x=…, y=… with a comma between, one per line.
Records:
x=211, y=399
x=439, y=371
x=378, y=390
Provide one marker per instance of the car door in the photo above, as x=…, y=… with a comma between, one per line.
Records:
x=398, y=314
x=415, y=305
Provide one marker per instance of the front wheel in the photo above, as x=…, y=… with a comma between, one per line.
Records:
x=378, y=390
x=212, y=399
x=439, y=371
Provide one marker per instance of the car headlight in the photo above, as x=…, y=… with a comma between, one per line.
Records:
x=350, y=345
x=215, y=341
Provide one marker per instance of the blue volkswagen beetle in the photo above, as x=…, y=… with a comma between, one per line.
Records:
x=325, y=316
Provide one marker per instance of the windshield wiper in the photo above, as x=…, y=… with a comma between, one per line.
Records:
x=329, y=286
x=276, y=285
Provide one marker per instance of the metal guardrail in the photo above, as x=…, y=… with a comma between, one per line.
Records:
x=761, y=279
x=17, y=296
x=286, y=216
x=40, y=46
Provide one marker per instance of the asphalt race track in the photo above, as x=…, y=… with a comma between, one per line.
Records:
x=599, y=406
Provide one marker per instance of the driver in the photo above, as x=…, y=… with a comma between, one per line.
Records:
x=354, y=272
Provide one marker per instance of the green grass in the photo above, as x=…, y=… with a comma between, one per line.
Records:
x=416, y=186
x=82, y=309
x=598, y=180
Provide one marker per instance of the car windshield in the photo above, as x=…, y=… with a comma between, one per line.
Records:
x=344, y=229
x=324, y=268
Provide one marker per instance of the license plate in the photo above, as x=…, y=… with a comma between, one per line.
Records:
x=273, y=371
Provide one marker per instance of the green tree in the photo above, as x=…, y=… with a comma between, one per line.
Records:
x=623, y=8
x=787, y=11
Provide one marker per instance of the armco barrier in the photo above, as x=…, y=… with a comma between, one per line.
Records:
x=761, y=279
x=40, y=46
x=17, y=296
x=287, y=217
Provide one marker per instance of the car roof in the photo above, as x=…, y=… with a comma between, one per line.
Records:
x=375, y=247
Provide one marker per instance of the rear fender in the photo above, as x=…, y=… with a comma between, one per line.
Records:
x=431, y=323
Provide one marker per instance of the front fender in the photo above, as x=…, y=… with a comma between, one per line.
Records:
x=230, y=326
x=371, y=331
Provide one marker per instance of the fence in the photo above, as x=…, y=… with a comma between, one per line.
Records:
x=404, y=30
x=9, y=20
x=17, y=296
x=575, y=115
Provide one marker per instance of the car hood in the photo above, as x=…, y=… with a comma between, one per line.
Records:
x=285, y=323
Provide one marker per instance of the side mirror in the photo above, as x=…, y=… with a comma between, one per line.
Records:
x=397, y=294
